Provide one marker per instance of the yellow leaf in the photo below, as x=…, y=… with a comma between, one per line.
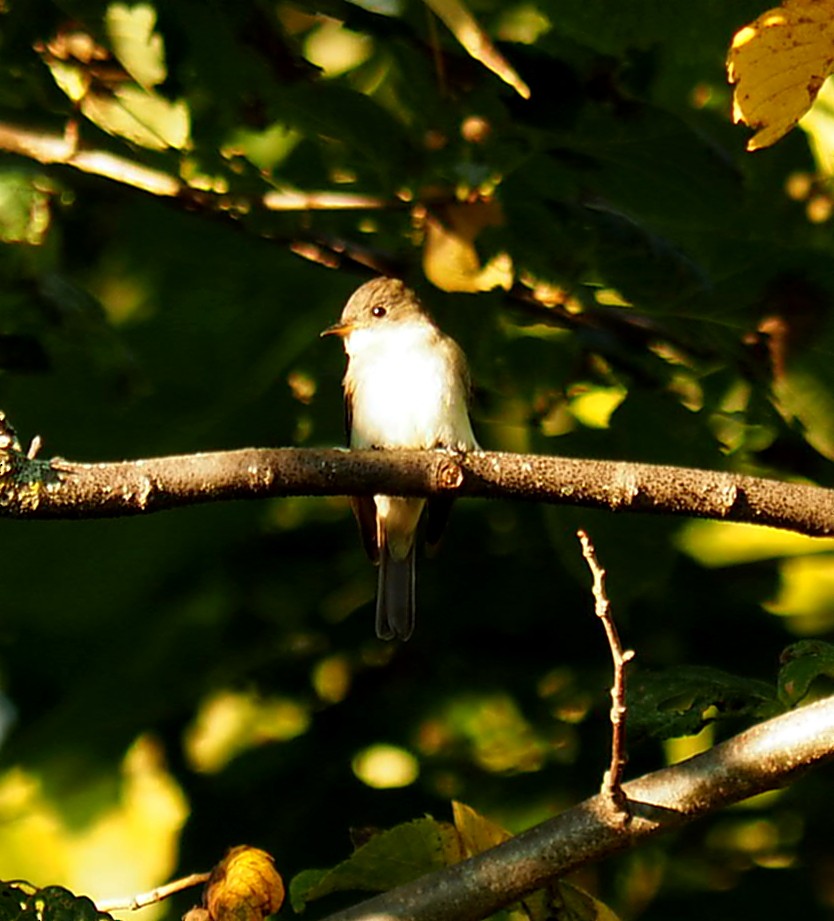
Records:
x=72, y=79
x=463, y=25
x=477, y=832
x=244, y=886
x=570, y=903
x=135, y=44
x=143, y=117
x=778, y=64
x=450, y=260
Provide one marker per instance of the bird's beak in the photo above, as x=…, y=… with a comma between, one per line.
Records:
x=338, y=329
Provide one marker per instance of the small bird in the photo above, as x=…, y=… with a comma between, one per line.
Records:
x=406, y=386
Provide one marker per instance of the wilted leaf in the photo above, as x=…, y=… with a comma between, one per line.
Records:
x=778, y=63
x=389, y=859
x=802, y=664
x=244, y=886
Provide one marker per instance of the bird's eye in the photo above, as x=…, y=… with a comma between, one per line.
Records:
x=378, y=312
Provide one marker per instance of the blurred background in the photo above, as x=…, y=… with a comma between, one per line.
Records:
x=628, y=283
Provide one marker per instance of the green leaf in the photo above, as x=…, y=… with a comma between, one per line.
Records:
x=681, y=701
x=25, y=215
x=20, y=901
x=802, y=664
x=390, y=858
x=54, y=903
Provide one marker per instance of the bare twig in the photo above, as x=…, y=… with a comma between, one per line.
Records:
x=612, y=784
x=131, y=903
x=59, y=488
x=765, y=757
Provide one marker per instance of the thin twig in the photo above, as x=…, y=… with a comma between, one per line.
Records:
x=612, y=783
x=132, y=903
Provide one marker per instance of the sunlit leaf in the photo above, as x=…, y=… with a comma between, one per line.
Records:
x=778, y=63
x=477, y=832
x=244, y=886
x=450, y=260
x=135, y=43
x=469, y=33
x=143, y=117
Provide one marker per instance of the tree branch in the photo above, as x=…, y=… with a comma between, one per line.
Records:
x=64, y=150
x=57, y=488
x=767, y=756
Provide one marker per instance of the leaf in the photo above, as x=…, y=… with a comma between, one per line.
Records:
x=778, y=63
x=450, y=260
x=477, y=833
x=803, y=393
x=139, y=49
x=54, y=903
x=567, y=902
x=681, y=701
x=463, y=25
x=244, y=886
x=802, y=663
x=390, y=858
x=144, y=117
x=20, y=900
x=24, y=206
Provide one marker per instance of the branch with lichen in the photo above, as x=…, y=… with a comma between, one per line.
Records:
x=32, y=487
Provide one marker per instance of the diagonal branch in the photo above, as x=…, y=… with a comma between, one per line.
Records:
x=765, y=757
x=57, y=488
x=65, y=150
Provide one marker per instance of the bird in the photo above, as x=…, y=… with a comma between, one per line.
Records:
x=406, y=386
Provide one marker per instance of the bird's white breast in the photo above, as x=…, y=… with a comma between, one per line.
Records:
x=407, y=389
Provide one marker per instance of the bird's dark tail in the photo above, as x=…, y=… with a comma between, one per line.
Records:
x=395, y=596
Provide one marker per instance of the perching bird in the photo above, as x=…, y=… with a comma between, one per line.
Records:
x=406, y=386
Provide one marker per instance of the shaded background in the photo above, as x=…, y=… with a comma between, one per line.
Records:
x=205, y=677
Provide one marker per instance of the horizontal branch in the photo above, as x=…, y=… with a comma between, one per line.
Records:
x=57, y=488
x=765, y=757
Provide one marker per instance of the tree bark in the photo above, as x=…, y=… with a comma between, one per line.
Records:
x=58, y=488
x=767, y=756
